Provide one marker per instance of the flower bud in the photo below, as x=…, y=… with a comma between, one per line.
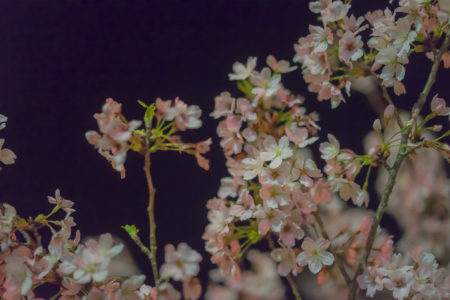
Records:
x=377, y=126
x=389, y=112
x=436, y=128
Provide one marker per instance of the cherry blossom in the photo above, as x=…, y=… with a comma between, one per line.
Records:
x=180, y=263
x=276, y=152
x=314, y=254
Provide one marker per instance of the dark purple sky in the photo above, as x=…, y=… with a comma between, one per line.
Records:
x=60, y=59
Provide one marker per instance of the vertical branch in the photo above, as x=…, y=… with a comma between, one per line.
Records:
x=151, y=217
x=402, y=153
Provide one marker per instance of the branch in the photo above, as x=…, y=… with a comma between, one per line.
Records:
x=151, y=217
x=141, y=246
x=402, y=153
x=432, y=77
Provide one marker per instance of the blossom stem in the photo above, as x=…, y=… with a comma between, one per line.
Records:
x=402, y=153
x=326, y=236
x=151, y=217
x=289, y=277
x=141, y=246
x=294, y=289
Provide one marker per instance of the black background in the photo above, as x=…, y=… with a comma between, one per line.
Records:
x=59, y=60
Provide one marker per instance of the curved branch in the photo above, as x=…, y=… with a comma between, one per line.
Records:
x=402, y=153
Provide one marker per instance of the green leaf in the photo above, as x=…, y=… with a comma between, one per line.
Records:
x=131, y=230
x=142, y=104
x=149, y=114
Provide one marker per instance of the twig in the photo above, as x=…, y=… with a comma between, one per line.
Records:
x=141, y=246
x=294, y=289
x=55, y=296
x=151, y=217
x=402, y=153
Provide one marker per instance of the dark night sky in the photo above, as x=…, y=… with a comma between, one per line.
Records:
x=60, y=59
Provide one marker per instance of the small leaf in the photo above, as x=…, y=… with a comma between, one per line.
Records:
x=149, y=114
x=131, y=230
x=142, y=104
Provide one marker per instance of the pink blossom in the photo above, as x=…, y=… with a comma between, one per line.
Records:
x=444, y=10
x=268, y=218
x=287, y=261
x=370, y=281
x=281, y=66
x=330, y=149
x=91, y=260
x=62, y=203
x=192, y=289
x=7, y=156
x=274, y=196
x=3, y=120
x=276, y=152
x=7, y=215
x=225, y=105
x=400, y=282
x=116, y=133
x=320, y=38
x=299, y=135
x=232, y=140
x=242, y=72
x=349, y=189
x=19, y=277
x=314, y=254
x=291, y=231
x=201, y=148
x=184, y=116
x=166, y=291
x=180, y=263
x=162, y=107
x=276, y=176
x=331, y=11
x=129, y=289
x=353, y=25
x=393, y=64
x=245, y=108
x=265, y=84
x=438, y=106
x=350, y=47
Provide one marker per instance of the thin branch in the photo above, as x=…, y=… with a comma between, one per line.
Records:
x=432, y=77
x=402, y=153
x=337, y=260
x=293, y=285
x=141, y=246
x=151, y=217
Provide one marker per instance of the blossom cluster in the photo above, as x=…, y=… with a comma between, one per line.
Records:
x=276, y=189
x=336, y=53
x=80, y=270
x=420, y=280
x=276, y=193
x=119, y=135
x=276, y=184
